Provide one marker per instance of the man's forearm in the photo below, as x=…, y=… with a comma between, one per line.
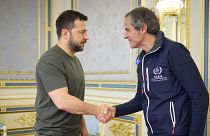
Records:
x=76, y=106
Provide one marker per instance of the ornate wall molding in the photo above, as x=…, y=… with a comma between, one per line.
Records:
x=26, y=119
x=30, y=40
x=109, y=54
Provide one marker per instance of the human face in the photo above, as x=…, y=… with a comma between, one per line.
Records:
x=134, y=36
x=78, y=36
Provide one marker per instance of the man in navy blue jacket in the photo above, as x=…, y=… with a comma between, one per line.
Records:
x=170, y=90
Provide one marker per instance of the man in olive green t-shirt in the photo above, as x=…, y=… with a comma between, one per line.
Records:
x=60, y=82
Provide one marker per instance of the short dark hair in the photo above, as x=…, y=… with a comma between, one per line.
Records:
x=66, y=20
x=143, y=15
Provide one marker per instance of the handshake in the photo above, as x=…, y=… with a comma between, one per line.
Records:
x=105, y=113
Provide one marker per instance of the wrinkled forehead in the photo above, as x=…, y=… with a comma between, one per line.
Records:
x=127, y=22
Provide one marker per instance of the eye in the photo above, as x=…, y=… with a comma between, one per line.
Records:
x=83, y=32
x=127, y=30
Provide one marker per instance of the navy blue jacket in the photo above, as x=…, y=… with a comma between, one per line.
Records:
x=170, y=91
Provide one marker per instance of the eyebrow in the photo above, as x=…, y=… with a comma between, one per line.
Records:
x=83, y=30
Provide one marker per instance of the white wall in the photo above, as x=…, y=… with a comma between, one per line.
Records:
x=115, y=96
x=196, y=33
x=58, y=6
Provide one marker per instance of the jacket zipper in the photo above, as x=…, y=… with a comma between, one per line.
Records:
x=173, y=117
x=148, y=101
x=147, y=69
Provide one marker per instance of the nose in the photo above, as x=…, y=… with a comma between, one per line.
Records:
x=86, y=37
x=125, y=35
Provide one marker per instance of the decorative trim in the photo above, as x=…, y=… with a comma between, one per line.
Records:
x=11, y=112
x=26, y=119
x=108, y=73
x=131, y=85
x=16, y=109
x=39, y=31
x=3, y=109
x=107, y=85
x=138, y=2
x=187, y=17
x=17, y=84
x=113, y=87
x=75, y=6
x=49, y=5
x=17, y=97
x=46, y=25
x=131, y=2
x=16, y=73
x=19, y=109
x=101, y=101
x=104, y=97
x=206, y=40
x=49, y=40
x=119, y=129
x=202, y=39
x=19, y=132
x=111, y=82
x=118, y=86
x=38, y=44
x=123, y=129
x=206, y=52
x=48, y=29
x=92, y=85
x=21, y=83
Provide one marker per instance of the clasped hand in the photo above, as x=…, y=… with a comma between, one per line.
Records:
x=106, y=113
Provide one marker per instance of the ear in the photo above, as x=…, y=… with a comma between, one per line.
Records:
x=143, y=29
x=65, y=33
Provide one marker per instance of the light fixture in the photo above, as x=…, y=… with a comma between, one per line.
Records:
x=169, y=7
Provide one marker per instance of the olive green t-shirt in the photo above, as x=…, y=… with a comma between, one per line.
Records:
x=56, y=69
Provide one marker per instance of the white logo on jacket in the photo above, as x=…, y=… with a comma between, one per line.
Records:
x=157, y=75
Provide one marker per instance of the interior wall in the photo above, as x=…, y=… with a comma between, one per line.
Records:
x=196, y=33
x=109, y=63
x=198, y=47
x=57, y=8
x=21, y=46
x=111, y=85
x=95, y=79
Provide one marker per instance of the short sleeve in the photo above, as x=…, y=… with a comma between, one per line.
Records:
x=51, y=73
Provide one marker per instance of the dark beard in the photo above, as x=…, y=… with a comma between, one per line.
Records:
x=74, y=46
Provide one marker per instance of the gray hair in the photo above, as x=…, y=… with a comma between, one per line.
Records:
x=142, y=15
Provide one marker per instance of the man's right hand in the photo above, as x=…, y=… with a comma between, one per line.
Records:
x=106, y=113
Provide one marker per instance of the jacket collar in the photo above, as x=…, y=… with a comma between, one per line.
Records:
x=158, y=42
